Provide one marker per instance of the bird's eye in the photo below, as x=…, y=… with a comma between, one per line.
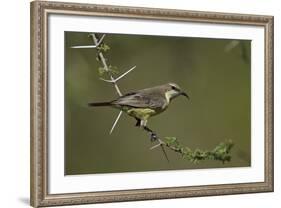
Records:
x=174, y=88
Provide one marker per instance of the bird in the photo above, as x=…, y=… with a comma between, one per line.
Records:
x=145, y=103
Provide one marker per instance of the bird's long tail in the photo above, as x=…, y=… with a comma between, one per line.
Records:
x=99, y=104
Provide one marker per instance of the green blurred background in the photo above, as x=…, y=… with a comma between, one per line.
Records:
x=216, y=74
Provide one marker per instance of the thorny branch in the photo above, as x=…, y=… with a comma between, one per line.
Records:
x=106, y=68
x=221, y=152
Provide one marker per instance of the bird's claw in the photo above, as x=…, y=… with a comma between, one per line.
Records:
x=153, y=137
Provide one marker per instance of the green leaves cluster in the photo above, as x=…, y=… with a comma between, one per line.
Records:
x=103, y=47
x=111, y=69
x=221, y=152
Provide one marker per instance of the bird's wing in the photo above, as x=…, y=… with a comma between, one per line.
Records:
x=140, y=100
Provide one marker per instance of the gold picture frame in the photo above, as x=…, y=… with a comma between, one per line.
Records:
x=39, y=103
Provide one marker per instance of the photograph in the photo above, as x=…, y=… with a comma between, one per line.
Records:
x=136, y=103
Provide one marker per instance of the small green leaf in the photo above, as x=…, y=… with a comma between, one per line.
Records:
x=103, y=47
x=113, y=69
x=101, y=71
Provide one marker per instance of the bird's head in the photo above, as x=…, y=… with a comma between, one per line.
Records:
x=172, y=91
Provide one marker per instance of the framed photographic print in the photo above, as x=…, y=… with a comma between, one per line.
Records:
x=140, y=103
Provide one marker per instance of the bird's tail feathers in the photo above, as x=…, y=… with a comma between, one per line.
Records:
x=99, y=104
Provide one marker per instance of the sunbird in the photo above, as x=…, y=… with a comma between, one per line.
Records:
x=145, y=103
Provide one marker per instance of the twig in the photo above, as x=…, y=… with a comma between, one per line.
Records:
x=100, y=54
x=221, y=152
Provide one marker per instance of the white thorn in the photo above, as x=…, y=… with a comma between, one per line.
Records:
x=86, y=46
x=91, y=46
x=155, y=146
x=115, y=122
x=107, y=80
x=124, y=74
x=102, y=37
x=120, y=77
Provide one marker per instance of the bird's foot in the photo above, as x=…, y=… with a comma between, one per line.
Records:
x=153, y=137
x=138, y=124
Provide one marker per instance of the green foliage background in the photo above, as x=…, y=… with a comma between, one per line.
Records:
x=218, y=83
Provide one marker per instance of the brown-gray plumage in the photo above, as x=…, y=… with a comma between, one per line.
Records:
x=143, y=104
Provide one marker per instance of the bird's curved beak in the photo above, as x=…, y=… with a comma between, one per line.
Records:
x=185, y=95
